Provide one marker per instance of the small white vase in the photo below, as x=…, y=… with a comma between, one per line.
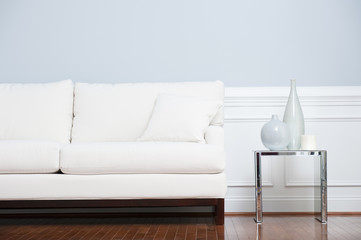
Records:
x=293, y=117
x=275, y=134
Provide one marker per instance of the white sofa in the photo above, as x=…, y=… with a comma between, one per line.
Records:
x=112, y=145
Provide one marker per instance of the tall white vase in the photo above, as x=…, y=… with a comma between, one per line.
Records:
x=293, y=117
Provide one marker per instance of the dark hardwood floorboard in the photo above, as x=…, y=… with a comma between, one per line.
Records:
x=191, y=233
x=275, y=227
x=245, y=228
x=153, y=229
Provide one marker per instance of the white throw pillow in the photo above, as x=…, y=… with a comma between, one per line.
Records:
x=180, y=119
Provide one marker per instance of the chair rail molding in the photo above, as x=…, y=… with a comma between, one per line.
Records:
x=332, y=113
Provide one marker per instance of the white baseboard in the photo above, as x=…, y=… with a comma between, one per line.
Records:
x=293, y=204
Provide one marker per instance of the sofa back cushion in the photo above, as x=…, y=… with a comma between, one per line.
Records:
x=36, y=111
x=121, y=112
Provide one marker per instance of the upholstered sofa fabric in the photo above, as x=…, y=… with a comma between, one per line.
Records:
x=36, y=111
x=141, y=157
x=121, y=112
x=24, y=156
x=111, y=186
x=214, y=135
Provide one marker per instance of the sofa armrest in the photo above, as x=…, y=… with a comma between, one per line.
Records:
x=214, y=135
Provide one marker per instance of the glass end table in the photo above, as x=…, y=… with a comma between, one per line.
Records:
x=320, y=202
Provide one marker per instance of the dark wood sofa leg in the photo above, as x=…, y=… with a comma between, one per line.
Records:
x=219, y=212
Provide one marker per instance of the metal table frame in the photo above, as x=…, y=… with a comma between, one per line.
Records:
x=322, y=154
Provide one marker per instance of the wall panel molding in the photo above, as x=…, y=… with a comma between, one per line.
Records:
x=318, y=119
x=276, y=97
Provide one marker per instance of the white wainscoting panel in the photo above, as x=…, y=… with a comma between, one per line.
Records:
x=333, y=114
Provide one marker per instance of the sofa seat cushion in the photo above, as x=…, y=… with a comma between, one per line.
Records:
x=29, y=156
x=141, y=157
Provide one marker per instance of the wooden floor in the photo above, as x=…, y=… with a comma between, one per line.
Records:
x=236, y=227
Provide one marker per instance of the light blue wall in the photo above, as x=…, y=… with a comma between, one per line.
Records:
x=243, y=43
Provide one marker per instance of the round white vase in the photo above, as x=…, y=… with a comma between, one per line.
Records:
x=275, y=134
x=293, y=117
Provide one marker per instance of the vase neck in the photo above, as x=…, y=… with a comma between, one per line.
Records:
x=293, y=84
x=274, y=116
x=293, y=91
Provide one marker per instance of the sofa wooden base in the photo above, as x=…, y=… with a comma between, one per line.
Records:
x=217, y=203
